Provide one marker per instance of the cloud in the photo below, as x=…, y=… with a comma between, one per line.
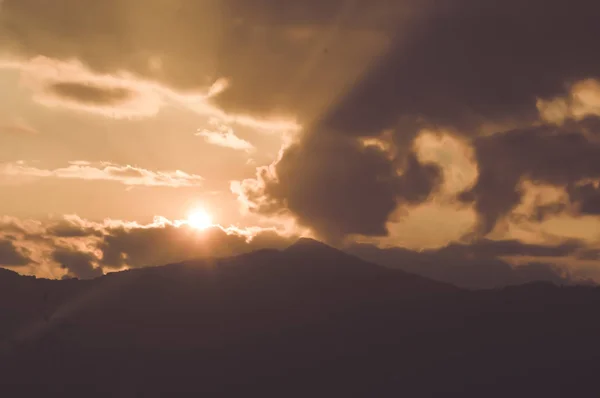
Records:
x=168, y=242
x=465, y=68
x=70, y=84
x=78, y=264
x=105, y=171
x=411, y=57
x=89, y=94
x=586, y=195
x=71, y=226
x=188, y=46
x=433, y=224
x=556, y=156
x=583, y=100
x=541, y=201
x=10, y=255
x=455, y=157
x=225, y=137
x=337, y=187
x=74, y=247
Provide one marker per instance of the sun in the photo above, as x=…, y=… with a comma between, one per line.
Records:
x=199, y=219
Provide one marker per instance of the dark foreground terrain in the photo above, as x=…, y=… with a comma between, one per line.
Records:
x=308, y=321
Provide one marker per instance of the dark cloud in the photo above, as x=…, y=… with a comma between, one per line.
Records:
x=543, y=212
x=478, y=265
x=10, y=255
x=473, y=62
x=78, y=264
x=90, y=94
x=339, y=187
x=587, y=196
x=70, y=229
x=560, y=156
x=465, y=66
x=84, y=249
x=141, y=247
x=458, y=62
x=275, y=48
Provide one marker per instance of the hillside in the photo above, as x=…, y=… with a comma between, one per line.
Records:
x=305, y=321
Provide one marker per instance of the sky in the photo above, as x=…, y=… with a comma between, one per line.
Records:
x=408, y=126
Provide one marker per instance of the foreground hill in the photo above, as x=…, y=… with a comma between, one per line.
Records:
x=306, y=321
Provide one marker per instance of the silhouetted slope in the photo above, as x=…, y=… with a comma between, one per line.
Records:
x=298, y=285
x=456, y=266
x=25, y=301
x=306, y=321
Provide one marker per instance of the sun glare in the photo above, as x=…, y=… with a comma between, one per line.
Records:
x=199, y=219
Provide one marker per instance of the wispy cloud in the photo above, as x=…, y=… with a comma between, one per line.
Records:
x=224, y=136
x=105, y=171
x=71, y=84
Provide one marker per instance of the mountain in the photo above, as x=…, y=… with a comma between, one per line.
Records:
x=462, y=266
x=305, y=321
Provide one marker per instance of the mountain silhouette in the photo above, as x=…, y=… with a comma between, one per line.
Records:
x=309, y=244
x=309, y=320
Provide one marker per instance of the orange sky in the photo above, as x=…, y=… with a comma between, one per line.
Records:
x=125, y=110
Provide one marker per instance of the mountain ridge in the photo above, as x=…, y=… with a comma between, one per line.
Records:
x=307, y=321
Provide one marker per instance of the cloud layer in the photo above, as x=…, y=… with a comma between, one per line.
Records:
x=105, y=171
x=74, y=247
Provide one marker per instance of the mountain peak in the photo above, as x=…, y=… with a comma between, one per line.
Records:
x=309, y=244
x=312, y=251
